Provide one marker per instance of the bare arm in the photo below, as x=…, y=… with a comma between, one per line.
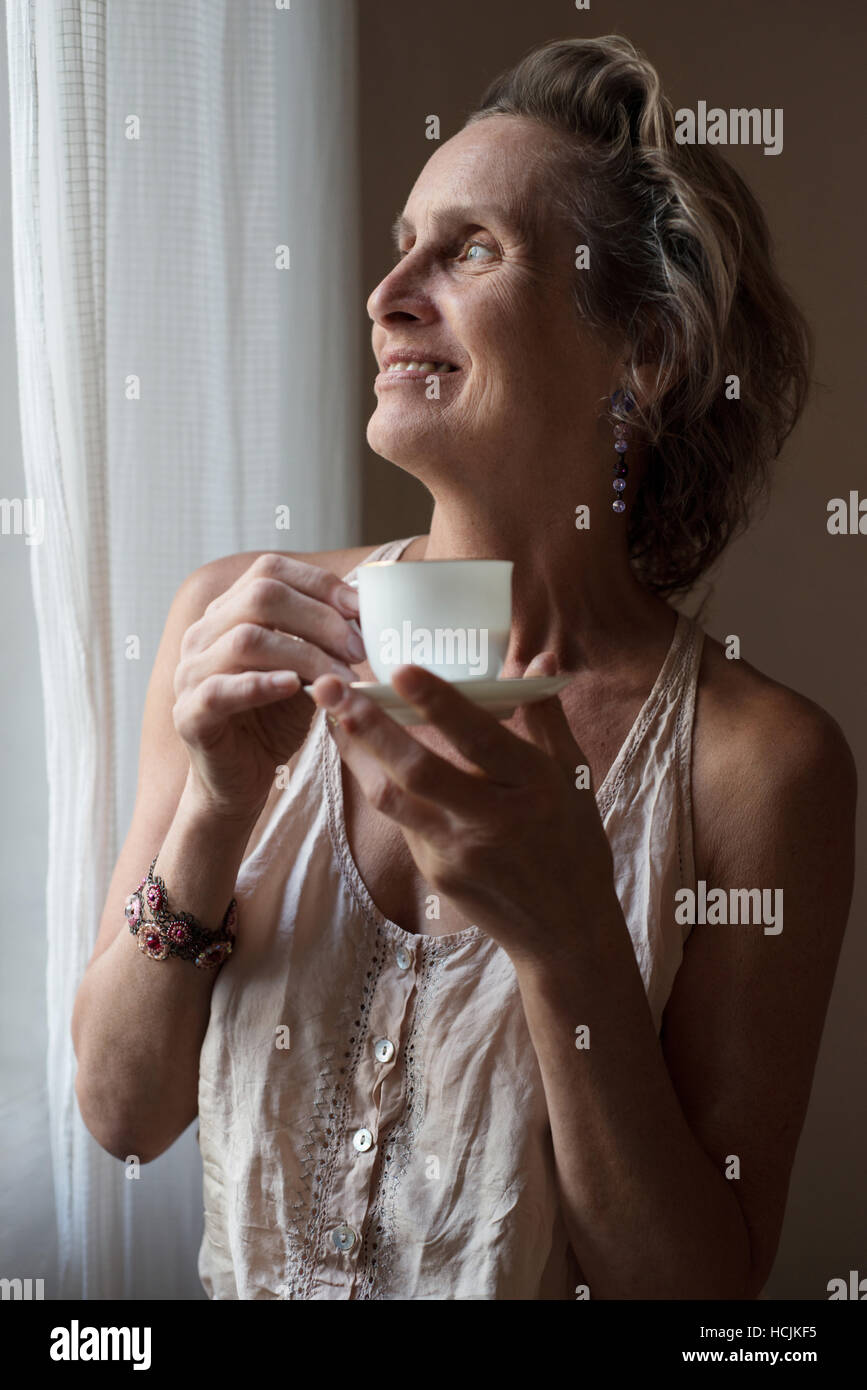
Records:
x=644, y=1132
x=138, y=1026
x=137, y=1029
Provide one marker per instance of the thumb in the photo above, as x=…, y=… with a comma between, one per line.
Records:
x=543, y=664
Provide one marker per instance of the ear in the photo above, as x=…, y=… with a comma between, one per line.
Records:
x=645, y=388
x=649, y=384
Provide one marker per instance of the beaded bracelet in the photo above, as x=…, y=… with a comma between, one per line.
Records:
x=170, y=933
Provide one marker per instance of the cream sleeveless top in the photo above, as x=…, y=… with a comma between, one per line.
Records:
x=372, y=1121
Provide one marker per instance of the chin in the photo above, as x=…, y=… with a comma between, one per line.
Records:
x=403, y=444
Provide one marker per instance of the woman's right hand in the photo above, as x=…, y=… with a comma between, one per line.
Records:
x=239, y=706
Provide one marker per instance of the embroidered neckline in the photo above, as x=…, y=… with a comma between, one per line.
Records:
x=432, y=945
x=676, y=661
x=330, y=756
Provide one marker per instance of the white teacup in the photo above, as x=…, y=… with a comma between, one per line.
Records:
x=450, y=616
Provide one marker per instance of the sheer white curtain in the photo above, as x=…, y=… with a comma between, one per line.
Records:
x=182, y=394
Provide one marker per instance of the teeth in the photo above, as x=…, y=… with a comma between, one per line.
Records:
x=438, y=367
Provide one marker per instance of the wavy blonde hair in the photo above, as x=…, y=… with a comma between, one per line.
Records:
x=681, y=269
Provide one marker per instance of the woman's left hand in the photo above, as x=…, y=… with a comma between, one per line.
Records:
x=513, y=843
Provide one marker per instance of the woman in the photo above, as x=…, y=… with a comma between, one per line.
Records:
x=470, y=1042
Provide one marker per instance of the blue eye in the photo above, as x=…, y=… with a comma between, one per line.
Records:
x=477, y=246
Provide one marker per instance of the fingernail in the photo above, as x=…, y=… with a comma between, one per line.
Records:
x=355, y=646
x=412, y=680
x=349, y=599
x=332, y=697
x=543, y=662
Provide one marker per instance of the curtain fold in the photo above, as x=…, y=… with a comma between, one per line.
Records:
x=178, y=402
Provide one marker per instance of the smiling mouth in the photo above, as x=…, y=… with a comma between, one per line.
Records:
x=419, y=369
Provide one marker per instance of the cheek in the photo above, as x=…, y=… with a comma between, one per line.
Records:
x=502, y=336
x=525, y=335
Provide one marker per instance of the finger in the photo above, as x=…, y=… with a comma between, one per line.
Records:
x=543, y=664
x=408, y=762
x=313, y=580
x=250, y=646
x=381, y=790
x=271, y=602
x=203, y=711
x=474, y=731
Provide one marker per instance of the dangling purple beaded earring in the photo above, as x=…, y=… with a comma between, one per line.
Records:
x=620, y=401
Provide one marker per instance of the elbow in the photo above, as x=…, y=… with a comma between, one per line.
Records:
x=111, y=1130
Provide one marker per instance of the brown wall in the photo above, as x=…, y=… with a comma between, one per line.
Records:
x=794, y=594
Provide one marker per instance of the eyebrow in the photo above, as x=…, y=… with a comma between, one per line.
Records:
x=469, y=214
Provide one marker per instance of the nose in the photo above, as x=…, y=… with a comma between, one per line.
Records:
x=401, y=295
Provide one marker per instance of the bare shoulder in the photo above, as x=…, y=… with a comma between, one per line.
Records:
x=763, y=756
x=774, y=793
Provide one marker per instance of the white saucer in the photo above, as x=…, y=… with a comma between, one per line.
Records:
x=499, y=697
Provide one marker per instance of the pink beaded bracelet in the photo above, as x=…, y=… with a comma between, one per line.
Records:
x=169, y=933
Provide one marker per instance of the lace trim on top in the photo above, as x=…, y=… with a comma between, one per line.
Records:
x=678, y=659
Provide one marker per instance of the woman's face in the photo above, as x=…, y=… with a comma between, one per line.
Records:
x=478, y=288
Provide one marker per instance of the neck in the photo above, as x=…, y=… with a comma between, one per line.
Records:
x=573, y=591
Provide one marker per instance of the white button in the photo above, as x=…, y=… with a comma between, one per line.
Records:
x=403, y=958
x=343, y=1237
x=383, y=1050
x=362, y=1139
